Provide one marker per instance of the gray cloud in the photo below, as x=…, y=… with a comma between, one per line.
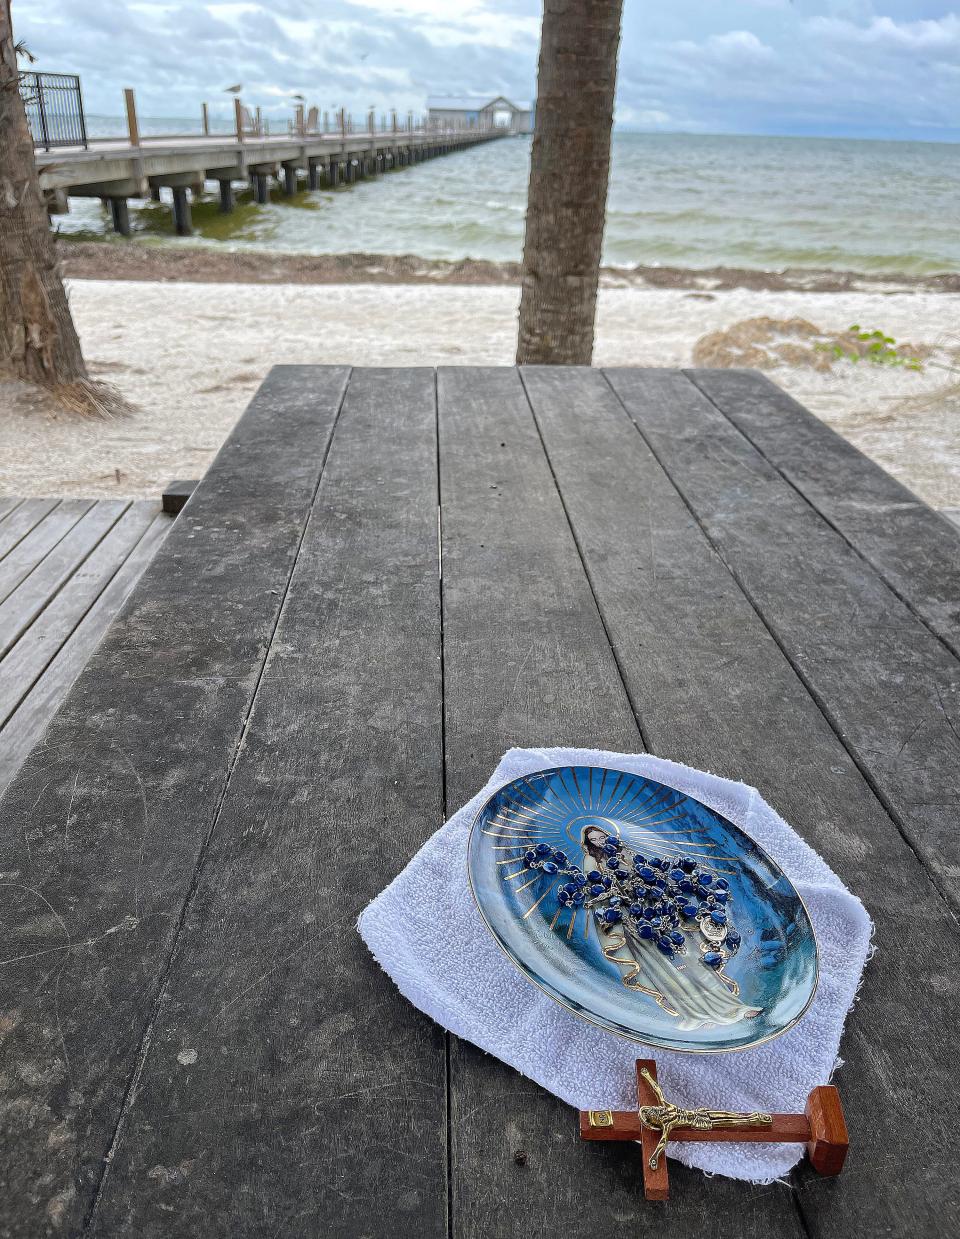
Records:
x=788, y=66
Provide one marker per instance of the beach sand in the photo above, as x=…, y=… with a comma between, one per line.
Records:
x=189, y=356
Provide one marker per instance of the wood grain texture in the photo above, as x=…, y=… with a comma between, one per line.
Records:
x=23, y=558
x=289, y=1088
x=20, y=520
x=181, y=875
x=527, y=662
x=829, y=1139
x=7, y=504
x=37, y=683
x=907, y=542
x=24, y=604
x=625, y=1125
x=22, y=665
x=890, y=688
x=712, y=688
x=102, y=829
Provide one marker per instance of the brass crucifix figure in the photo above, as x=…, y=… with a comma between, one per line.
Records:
x=666, y=1116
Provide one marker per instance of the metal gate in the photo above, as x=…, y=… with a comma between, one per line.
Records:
x=54, y=108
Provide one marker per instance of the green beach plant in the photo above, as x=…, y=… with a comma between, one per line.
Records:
x=873, y=346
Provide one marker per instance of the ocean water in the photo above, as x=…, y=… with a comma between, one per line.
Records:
x=757, y=203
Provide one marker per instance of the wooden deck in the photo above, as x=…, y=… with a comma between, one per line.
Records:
x=66, y=566
x=292, y=699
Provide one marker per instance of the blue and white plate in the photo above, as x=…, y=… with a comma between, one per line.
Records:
x=642, y=910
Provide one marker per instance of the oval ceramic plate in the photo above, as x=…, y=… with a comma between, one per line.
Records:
x=642, y=910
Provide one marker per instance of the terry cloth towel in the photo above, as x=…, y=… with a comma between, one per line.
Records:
x=427, y=934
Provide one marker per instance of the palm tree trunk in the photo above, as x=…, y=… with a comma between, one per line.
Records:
x=570, y=162
x=38, y=340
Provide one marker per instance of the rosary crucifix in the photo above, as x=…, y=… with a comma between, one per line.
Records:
x=655, y=1121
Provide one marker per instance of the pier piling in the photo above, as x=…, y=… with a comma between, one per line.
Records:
x=120, y=216
x=181, y=211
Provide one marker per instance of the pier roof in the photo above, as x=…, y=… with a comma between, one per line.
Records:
x=471, y=103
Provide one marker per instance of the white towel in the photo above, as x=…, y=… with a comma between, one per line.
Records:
x=427, y=934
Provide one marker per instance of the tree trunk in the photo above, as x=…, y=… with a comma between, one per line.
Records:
x=570, y=162
x=38, y=340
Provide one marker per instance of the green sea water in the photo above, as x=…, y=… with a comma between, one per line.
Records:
x=675, y=200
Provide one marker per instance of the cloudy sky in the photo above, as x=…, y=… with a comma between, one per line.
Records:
x=862, y=68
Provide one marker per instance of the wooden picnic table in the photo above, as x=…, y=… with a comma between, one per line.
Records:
x=196, y=1041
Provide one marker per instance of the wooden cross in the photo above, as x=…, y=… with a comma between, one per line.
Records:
x=821, y=1128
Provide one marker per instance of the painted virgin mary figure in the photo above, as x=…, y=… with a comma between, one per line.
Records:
x=678, y=964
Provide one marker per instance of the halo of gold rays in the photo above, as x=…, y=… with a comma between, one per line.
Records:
x=636, y=809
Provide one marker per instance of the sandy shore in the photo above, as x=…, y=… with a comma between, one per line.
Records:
x=190, y=355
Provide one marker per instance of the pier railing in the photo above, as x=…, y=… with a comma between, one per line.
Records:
x=54, y=107
x=55, y=112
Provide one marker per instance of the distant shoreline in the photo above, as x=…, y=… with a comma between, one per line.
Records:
x=100, y=260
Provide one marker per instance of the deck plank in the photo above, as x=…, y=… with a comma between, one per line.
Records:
x=713, y=689
x=22, y=606
x=283, y=1066
x=907, y=542
x=37, y=672
x=19, y=522
x=527, y=662
x=24, y=558
x=8, y=504
x=889, y=686
x=106, y=821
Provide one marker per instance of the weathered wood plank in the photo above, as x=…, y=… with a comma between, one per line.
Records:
x=23, y=558
x=908, y=543
x=102, y=830
x=889, y=687
x=289, y=1089
x=21, y=607
x=713, y=689
x=526, y=661
x=7, y=505
x=38, y=672
x=19, y=522
x=34, y=648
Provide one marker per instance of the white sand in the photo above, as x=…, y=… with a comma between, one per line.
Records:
x=191, y=355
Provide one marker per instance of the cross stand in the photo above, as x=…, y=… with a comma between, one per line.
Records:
x=655, y=1121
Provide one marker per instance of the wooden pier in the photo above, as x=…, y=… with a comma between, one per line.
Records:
x=139, y=167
